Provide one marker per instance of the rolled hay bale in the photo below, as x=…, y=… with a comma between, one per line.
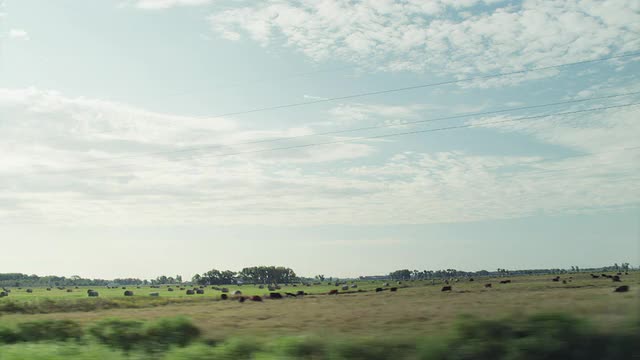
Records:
x=300, y=293
x=154, y=294
x=271, y=288
x=256, y=298
x=237, y=292
x=128, y=293
x=170, y=289
x=394, y=289
x=93, y=294
x=191, y=292
x=260, y=286
x=224, y=290
x=29, y=291
x=3, y=294
x=354, y=286
x=224, y=296
x=69, y=290
x=345, y=288
x=199, y=291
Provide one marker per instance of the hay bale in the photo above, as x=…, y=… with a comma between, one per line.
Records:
x=3, y=294
x=199, y=291
x=69, y=290
x=224, y=297
x=128, y=293
x=345, y=288
x=154, y=294
x=191, y=292
x=93, y=294
x=224, y=290
x=237, y=292
x=170, y=289
x=29, y=291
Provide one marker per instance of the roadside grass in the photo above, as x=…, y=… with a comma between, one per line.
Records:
x=539, y=336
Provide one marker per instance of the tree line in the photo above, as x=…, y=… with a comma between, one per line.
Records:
x=253, y=275
x=406, y=274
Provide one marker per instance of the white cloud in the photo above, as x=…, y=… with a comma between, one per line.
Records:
x=18, y=34
x=44, y=136
x=416, y=35
x=165, y=4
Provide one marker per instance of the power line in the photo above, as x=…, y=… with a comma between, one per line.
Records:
x=456, y=127
x=337, y=132
x=414, y=87
x=387, y=91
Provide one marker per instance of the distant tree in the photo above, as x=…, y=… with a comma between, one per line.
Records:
x=404, y=274
x=196, y=279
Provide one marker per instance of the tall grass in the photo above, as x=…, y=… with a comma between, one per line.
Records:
x=546, y=336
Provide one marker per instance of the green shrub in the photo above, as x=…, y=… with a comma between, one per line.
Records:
x=8, y=335
x=237, y=348
x=49, y=330
x=170, y=332
x=120, y=334
x=299, y=348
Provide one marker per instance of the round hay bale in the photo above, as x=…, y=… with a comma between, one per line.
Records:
x=69, y=290
x=345, y=288
x=237, y=292
x=224, y=296
x=170, y=289
x=3, y=294
x=29, y=291
x=224, y=290
x=154, y=294
x=128, y=293
x=190, y=292
x=199, y=291
x=93, y=294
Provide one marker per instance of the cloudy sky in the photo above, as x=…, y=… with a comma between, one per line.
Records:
x=148, y=137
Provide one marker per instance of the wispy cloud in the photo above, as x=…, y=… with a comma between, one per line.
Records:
x=46, y=135
x=440, y=36
x=166, y=4
x=18, y=34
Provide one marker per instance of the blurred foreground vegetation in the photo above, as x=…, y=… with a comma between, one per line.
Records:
x=542, y=336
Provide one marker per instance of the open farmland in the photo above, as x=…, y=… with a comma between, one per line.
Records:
x=418, y=308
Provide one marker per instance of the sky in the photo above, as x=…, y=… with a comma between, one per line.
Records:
x=345, y=138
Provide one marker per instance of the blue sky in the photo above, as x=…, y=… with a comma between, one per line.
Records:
x=115, y=153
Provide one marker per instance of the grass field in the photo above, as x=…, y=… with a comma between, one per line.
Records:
x=417, y=308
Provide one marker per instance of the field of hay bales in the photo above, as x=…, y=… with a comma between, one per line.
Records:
x=418, y=307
